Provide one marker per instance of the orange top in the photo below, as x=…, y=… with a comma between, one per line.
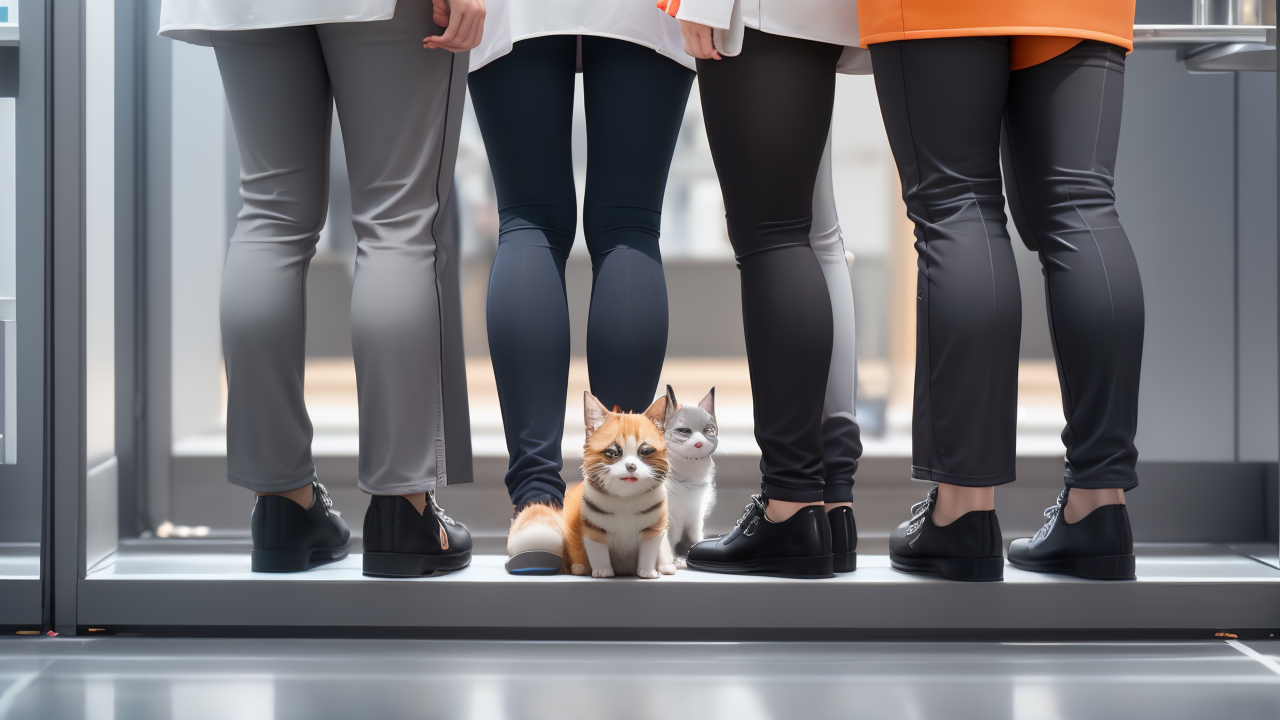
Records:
x=1041, y=29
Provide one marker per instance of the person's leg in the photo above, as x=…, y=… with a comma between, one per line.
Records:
x=278, y=95
x=841, y=440
x=524, y=104
x=1062, y=130
x=768, y=112
x=635, y=100
x=942, y=102
x=401, y=112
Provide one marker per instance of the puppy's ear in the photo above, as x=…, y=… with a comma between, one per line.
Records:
x=594, y=412
x=708, y=403
x=657, y=412
x=672, y=405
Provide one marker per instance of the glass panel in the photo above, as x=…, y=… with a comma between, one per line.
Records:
x=21, y=308
x=8, y=245
x=100, y=269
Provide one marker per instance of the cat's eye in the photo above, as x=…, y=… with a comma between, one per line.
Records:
x=710, y=431
x=646, y=449
x=613, y=451
x=685, y=432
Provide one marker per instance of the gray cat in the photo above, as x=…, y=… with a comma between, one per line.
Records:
x=691, y=435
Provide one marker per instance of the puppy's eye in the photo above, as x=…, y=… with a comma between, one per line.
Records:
x=710, y=431
x=613, y=451
x=646, y=449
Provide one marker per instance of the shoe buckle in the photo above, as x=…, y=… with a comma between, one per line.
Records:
x=328, y=502
x=750, y=529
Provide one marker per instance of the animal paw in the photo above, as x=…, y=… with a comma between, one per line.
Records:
x=647, y=573
x=602, y=572
x=668, y=569
x=579, y=569
x=682, y=562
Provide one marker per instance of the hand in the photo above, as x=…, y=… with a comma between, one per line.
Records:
x=697, y=40
x=463, y=21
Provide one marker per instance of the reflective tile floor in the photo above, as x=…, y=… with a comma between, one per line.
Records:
x=144, y=679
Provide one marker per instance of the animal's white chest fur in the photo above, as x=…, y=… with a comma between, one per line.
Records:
x=622, y=519
x=690, y=488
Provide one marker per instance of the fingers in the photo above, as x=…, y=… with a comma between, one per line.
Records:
x=698, y=41
x=440, y=12
x=464, y=30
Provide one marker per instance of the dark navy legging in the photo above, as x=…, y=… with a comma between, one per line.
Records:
x=635, y=100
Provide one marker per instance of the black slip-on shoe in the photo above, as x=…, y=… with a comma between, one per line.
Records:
x=1098, y=547
x=290, y=538
x=970, y=548
x=844, y=539
x=400, y=542
x=798, y=547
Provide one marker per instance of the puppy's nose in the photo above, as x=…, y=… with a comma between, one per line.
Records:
x=697, y=444
x=631, y=467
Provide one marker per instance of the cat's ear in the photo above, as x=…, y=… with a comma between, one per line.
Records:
x=657, y=412
x=593, y=412
x=672, y=405
x=708, y=403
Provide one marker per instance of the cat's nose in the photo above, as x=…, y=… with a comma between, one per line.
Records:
x=631, y=467
x=697, y=444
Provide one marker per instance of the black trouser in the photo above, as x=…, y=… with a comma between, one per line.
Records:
x=635, y=100
x=944, y=102
x=767, y=112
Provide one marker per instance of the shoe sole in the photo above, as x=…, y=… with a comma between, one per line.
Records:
x=285, y=561
x=968, y=570
x=535, y=562
x=400, y=565
x=1107, y=567
x=844, y=562
x=810, y=567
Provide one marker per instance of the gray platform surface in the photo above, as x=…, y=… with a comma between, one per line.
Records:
x=1191, y=588
x=186, y=679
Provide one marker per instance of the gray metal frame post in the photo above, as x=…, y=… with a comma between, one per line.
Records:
x=130, y=269
x=68, y=329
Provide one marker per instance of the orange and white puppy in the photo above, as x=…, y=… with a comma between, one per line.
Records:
x=616, y=520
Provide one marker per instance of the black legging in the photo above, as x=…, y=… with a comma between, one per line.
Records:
x=635, y=100
x=767, y=112
x=944, y=102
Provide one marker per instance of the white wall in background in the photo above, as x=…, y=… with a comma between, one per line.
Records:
x=199, y=238
x=100, y=220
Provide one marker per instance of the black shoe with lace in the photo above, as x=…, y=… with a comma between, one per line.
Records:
x=290, y=538
x=799, y=546
x=400, y=542
x=970, y=548
x=1099, y=546
x=844, y=539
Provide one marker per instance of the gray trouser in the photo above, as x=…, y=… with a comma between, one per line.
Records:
x=841, y=439
x=400, y=108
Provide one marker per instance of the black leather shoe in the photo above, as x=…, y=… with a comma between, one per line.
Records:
x=398, y=542
x=844, y=539
x=799, y=546
x=970, y=548
x=290, y=538
x=1099, y=546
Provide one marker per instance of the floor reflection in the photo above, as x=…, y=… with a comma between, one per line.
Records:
x=145, y=679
